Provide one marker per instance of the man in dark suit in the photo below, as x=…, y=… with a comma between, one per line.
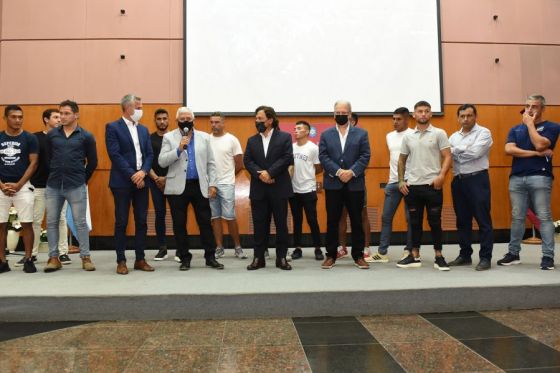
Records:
x=344, y=154
x=129, y=147
x=267, y=157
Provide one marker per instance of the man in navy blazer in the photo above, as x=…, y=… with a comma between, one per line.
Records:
x=129, y=147
x=268, y=155
x=344, y=154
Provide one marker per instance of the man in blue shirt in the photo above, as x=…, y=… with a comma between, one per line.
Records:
x=531, y=145
x=72, y=158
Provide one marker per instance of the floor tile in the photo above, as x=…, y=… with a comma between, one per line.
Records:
x=175, y=334
x=474, y=327
x=394, y=329
x=334, y=333
x=268, y=359
x=438, y=356
x=49, y=341
x=270, y=332
x=37, y=361
x=351, y=358
x=186, y=359
x=12, y=330
x=515, y=352
x=319, y=319
x=102, y=361
x=449, y=315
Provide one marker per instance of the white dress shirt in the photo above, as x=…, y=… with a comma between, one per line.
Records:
x=470, y=150
x=343, y=137
x=132, y=128
x=266, y=140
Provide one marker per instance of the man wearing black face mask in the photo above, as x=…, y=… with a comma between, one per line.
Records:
x=268, y=155
x=344, y=154
x=191, y=178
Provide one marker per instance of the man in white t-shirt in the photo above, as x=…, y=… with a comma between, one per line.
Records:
x=229, y=161
x=393, y=196
x=306, y=166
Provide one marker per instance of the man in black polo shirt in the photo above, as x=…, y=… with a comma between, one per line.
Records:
x=72, y=159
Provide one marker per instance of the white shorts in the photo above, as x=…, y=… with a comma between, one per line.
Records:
x=23, y=203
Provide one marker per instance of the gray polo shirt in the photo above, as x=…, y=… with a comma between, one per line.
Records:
x=424, y=154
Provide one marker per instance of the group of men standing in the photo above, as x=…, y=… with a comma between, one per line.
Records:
x=186, y=166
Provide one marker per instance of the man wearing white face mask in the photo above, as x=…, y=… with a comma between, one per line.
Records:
x=130, y=149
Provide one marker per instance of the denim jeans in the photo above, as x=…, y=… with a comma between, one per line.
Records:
x=160, y=207
x=393, y=198
x=535, y=189
x=77, y=201
x=422, y=197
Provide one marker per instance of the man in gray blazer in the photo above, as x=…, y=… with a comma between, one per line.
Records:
x=191, y=178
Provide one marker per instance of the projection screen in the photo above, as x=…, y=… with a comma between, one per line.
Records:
x=300, y=56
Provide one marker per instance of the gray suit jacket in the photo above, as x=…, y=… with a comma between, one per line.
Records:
x=177, y=172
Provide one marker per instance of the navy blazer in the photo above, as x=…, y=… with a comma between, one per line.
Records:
x=355, y=157
x=278, y=158
x=123, y=154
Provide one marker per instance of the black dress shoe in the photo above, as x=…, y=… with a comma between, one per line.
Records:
x=483, y=265
x=319, y=254
x=460, y=261
x=185, y=264
x=296, y=254
x=283, y=264
x=256, y=264
x=213, y=263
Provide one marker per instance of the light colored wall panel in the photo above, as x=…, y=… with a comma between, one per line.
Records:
x=176, y=83
x=176, y=19
x=40, y=19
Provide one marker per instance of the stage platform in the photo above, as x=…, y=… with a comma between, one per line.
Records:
x=307, y=290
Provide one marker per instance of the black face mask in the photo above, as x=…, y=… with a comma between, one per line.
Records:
x=261, y=127
x=185, y=126
x=341, y=120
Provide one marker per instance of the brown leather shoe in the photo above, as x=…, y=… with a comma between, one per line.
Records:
x=328, y=263
x=142, y=265
x=121, y=268
x=87, y=265
x=361, y=263
x=53, y=264
x=256, y=264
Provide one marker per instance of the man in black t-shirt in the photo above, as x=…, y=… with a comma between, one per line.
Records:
x=18, y=161
x=156, y=182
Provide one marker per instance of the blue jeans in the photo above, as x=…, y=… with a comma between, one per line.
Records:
x=535, y=189
x=393, y=198
x=158, y=198
x=77, y=201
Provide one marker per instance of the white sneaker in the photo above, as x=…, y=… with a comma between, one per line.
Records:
x=219, y=252
x=379, y=258
x=177, y=259
x=239, y=253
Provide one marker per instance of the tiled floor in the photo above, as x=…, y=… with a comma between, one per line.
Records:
x=516, y=341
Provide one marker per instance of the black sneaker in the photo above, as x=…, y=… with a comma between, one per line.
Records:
x=65, y=259
x=161, y=255
x=509, y=259
x=266, y=254
x=213, y=263
x=296, y=254
x=29, y=266
x=20, y=262
x=441, y=264
x=4, y=267
x=547, y=263
x=409, y=262
x=319, y=254
x=460, y=261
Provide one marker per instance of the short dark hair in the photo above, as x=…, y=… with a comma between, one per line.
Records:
x=9, y=108
x=72, y=104
x=355, y=117
x=304, y=123
x=270, y=114
x=160, y=111
x=47, y=114
x=465, y=107
x=422, y=103
x=402, y=111
x=218, y=114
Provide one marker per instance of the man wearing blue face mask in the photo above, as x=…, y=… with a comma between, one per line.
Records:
x=130, y=149
x=191, y=179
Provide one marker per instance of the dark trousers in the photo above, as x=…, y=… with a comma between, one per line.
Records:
x=305, y=202
x=138, y=198
x=335, y=200
x=263, y=210
x=158, y=199
x=179, y=206
x=418, y=198
x=471, y=198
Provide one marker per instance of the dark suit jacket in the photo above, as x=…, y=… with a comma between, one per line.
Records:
x=355, y=157
x=278, y=158
x=123, y=154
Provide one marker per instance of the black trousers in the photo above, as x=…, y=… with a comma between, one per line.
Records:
x=263, y=210
x=418, y=198
x=124, y=198
x=307, y=202
x=471, y=198
x=179, y=206
x=335, y=200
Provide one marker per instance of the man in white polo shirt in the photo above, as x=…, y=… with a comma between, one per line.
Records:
x=425, y=149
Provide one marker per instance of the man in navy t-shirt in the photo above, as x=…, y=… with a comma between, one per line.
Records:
x=18, y=161
x=531, y=144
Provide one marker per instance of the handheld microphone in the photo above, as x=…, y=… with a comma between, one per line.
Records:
x=184, y=132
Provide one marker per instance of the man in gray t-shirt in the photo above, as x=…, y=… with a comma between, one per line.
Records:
x=424, y=149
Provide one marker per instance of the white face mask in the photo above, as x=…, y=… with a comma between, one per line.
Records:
x=137, y=115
